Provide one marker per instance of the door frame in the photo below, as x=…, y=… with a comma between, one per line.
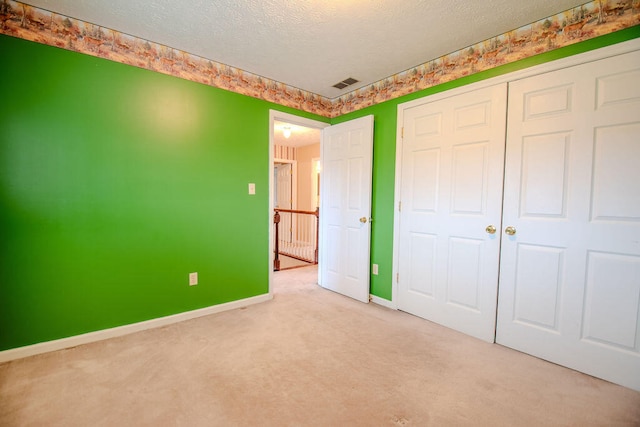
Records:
x=296, y=120
x=582, y=58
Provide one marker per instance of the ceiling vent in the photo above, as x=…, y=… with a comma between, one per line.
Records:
x=345, y=83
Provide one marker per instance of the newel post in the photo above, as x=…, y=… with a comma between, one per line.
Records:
x=276, y=260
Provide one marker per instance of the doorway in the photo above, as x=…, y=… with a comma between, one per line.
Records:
x=294, y=147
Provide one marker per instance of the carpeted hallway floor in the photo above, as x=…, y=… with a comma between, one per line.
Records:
x=308, y=358
x=287, y=262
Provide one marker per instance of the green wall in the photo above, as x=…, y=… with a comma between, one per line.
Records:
x=384, y=151
x=116, y=183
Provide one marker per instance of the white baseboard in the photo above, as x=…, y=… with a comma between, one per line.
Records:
x=383, y=302
x=45, y=347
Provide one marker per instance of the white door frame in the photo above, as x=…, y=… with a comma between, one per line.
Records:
x=275, y=115
x=594, y=55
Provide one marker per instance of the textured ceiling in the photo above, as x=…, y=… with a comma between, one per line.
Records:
x=310, y=44
x=300, y=135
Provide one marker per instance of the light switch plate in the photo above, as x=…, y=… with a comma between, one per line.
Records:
x=252, y=188
x=193, y=279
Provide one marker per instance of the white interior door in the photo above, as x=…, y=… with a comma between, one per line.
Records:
x=284, y=200
x=345, y=208
x=570, y=275
x=451, y=191
x=284, y=185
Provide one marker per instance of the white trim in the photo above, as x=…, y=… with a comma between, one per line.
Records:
x=296, y=120
x=396, y=204
x=570, y=61
x=383, y=302
x=45, y=347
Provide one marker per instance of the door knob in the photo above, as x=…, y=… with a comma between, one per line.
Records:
x=490, y=229
x=510, y=230
x=363, y=219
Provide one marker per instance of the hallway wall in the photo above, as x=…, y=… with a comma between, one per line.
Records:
x=305, y=169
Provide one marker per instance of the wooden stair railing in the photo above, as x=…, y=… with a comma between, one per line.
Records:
x=296, y=235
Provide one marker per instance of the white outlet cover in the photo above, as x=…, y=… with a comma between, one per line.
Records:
x=252, y=188
x=374, y=269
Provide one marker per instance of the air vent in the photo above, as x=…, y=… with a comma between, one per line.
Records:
x=345, y=83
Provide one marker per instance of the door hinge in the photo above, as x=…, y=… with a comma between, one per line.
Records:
x=402, y=132
x=400, y=206
x=397, y=277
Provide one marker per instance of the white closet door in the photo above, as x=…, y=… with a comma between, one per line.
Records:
x=570, y=275
x=451, y=191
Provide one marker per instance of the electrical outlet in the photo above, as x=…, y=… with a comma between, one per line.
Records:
x=252, y=188
x=193, y=279
x=374, y=269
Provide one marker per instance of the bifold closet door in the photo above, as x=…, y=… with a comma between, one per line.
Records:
x=451, y=196
x=570, y=269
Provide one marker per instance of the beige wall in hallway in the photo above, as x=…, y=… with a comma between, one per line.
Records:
x=305, y=168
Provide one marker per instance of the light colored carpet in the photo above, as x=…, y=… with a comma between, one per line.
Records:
x=286, y=262
x=308, y=358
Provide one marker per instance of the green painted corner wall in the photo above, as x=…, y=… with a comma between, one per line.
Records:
x=115, y=184
x=384, y=151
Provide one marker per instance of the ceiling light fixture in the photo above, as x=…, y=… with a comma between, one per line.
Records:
x=286, y=131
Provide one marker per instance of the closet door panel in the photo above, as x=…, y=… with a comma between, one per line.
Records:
x=452, y=170
x=570, y=269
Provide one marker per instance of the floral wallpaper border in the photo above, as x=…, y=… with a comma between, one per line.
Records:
x=581, y=23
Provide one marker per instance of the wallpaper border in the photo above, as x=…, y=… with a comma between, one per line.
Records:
x=584, y=22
